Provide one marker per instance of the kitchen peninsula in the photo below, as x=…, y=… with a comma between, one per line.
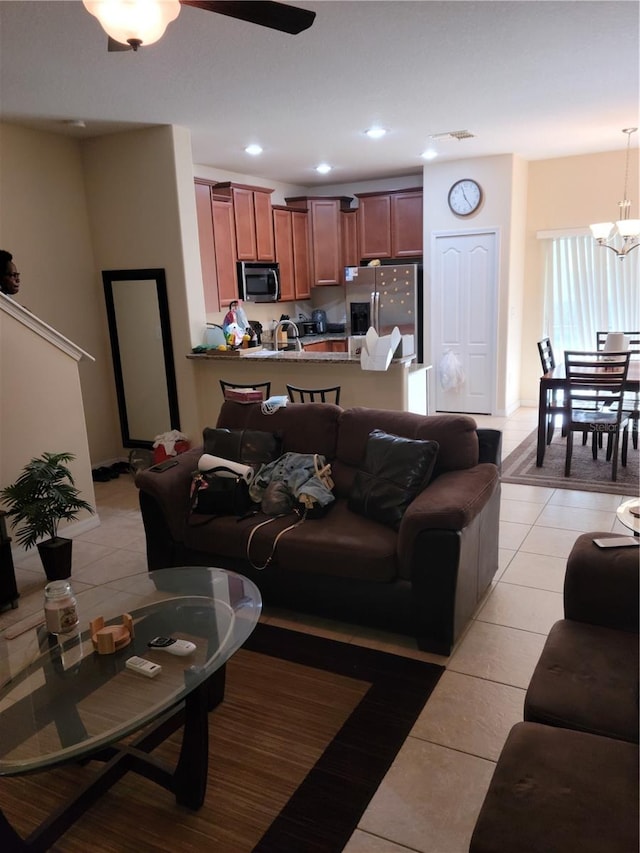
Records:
x=403, y=387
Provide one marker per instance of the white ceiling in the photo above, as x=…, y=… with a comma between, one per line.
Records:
x=538, y=79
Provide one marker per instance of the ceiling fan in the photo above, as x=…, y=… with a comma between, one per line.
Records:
x=132, y=23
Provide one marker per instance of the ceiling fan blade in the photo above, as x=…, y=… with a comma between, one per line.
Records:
x=276, y=16
x=113, y=45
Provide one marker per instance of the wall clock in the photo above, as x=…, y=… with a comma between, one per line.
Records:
x=465, y=197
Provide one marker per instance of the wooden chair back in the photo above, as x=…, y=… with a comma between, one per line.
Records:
x=264, y=386
x=547, y=358
x=592, y=374
x=634, y=341
x=314, y=395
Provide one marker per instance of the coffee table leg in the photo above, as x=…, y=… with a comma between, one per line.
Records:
x=190, y=776
x=10, y=841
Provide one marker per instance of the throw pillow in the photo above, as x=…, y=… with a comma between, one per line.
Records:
x=395, y=470
x=249, y=446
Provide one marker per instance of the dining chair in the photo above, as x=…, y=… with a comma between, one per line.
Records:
x=590, y=374
x=313, y=395
x=554, y=403
x=631, y=404
x=265, y=386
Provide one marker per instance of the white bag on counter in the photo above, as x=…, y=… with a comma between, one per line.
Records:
x=377, y=352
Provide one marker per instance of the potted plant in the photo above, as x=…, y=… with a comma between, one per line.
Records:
x=40, y=498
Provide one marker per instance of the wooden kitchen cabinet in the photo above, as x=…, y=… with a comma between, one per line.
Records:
x=325, y=235
x=327, y=346
x=290, y=229
x=349, y=232
x=253, y=220
x=390, y=224
x=216, y=237
x=225, y=246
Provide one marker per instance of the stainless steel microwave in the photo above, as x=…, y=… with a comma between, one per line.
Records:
x=258, y=282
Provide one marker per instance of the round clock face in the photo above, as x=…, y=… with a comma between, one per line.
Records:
x=465, y=197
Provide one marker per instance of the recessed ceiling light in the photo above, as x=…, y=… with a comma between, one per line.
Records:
x=429, y=154
x=323, y=168
x=375, y=132
x=254, y=150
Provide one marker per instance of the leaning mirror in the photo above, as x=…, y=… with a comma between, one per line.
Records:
x=140, y=334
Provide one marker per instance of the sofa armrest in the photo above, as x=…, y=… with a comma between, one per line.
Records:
x=450, y=502
x=171, y=490
x=601, y=586
x=490, y=446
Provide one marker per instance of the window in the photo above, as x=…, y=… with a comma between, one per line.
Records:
x=587, y=289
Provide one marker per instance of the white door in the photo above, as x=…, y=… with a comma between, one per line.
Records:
x=463, y=321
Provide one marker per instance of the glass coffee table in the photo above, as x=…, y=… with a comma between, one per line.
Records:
x=61, y=701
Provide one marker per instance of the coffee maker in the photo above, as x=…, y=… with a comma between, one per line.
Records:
x=319, y=317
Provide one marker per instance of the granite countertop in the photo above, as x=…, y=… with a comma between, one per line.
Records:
x=288, y=356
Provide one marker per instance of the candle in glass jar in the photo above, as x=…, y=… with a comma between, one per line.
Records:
x=60, y=607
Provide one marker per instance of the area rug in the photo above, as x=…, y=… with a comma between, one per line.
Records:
x=307, y=730
x=586, y=474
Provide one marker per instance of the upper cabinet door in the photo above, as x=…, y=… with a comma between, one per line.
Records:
x=282, y=229
x=406, y=224
x=207, y=248
x=391, y=224
x=375, y=226
x=245, y=222
x=265, y=248
x=225, y=244
x=300, y=234
x=349, y=227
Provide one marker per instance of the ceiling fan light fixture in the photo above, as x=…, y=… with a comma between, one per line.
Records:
x=629, y=229
x=134, y=22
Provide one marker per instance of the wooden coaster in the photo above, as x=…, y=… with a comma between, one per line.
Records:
x=108, y=639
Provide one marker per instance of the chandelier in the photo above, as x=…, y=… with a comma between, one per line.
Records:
x=134, y=22
x=629, y=229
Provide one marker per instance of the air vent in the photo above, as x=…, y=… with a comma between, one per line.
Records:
x=453, y=134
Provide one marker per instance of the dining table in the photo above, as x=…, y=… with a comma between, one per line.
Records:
x=556, y=380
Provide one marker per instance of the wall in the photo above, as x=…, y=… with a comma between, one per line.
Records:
x=496, y=177
x=142, y=215
x=565, y=193
x=41, y=407
x=44, y=224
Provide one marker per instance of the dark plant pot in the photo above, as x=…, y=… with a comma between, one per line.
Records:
x=56, y=558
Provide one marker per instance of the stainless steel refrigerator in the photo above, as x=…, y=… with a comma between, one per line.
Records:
x=383, y=297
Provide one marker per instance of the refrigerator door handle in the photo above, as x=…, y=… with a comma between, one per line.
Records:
x=377, y=312
x=372, y=313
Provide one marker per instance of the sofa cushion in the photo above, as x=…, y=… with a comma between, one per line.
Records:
x=395, y=469
x=587, y=679
x=341, y=544
x=455, y=434
x=304, y=427
x=559, y=790
x=249, y=446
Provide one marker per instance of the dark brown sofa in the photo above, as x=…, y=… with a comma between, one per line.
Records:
x=425, y=579
x=567, y=777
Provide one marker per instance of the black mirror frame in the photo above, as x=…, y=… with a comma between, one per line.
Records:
x=157, y=275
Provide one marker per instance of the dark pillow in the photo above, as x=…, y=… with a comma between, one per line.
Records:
x=249, y=446
x=395, y=470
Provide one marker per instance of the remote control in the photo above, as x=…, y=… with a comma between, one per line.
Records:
x=618, y=542
x=174, y=647
x=144, y=667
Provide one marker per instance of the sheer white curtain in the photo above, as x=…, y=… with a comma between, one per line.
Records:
x=588, y=289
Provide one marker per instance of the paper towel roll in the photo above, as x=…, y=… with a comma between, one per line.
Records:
x=207, y=461
x=616, y=342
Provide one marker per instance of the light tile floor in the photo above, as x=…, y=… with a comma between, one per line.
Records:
x=430, y=798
